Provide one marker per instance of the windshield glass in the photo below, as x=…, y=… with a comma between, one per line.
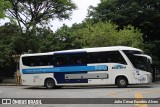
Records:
x=142, y=63
x=139, y=62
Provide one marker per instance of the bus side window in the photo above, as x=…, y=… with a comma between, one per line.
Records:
x=77, y=59
x=43, y=60
x=60, y=60
x=26, y=61
x=106, y=57
x=115, y=57
x=50, y=60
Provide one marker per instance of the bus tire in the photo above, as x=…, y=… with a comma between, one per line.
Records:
x=49, y=83
x=121, y=82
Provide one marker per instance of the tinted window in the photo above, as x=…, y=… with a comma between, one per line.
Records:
x=78, y=59
x=44, y=60
x=131, y=56
x=138, y=62
x=70, y=59
x=106, y=57
x=74, y=59
x=60, y=60
x=132, y=52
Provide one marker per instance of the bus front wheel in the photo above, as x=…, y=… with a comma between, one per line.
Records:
x=49, y=83
x=121, y=82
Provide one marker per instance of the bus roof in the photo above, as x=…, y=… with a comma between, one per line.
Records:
x=95, y=49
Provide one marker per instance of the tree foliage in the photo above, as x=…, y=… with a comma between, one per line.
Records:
x=89, y=34
x=143, y=14
x=68, y=38
x=153, y=49
x=12, y=42
x=8, y=34
x=3, y=6
x=32, y=12
x=106, y=34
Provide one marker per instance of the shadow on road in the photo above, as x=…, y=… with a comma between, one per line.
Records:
x=90, y=87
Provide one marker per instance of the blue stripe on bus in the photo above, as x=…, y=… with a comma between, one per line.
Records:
x=65, y=69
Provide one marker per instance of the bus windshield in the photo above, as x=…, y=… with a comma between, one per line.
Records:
x=142, y=63
x=139, y=61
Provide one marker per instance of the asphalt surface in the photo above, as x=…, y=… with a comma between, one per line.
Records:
x=112, y=92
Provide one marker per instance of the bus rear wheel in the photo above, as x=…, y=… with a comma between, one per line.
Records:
x=49, y=83
x=122, y=82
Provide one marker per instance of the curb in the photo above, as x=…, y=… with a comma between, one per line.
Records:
x=156, y=83
x=3, y=84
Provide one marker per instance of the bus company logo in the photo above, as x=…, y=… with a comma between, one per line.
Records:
x=6, y=101
x=119, y=67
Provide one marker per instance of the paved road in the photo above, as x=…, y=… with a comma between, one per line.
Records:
x=135, y=91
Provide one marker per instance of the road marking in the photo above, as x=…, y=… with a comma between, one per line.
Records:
x=139, y=95
x=112, y=94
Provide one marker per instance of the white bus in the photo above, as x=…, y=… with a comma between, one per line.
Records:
x=117, y=65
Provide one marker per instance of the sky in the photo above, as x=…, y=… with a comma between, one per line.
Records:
x=77, y=16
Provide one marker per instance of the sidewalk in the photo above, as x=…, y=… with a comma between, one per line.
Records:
x=8, y=82
x=157, y=82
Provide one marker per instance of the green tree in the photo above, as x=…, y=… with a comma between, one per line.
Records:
x=29, y=13
x=90, y=34
x=8, y=33
x=45, y=40
x=106, y=34
x=3, y=6
x=153, y=49
x=12, y=42
x=66, y=38
x=142, y=14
